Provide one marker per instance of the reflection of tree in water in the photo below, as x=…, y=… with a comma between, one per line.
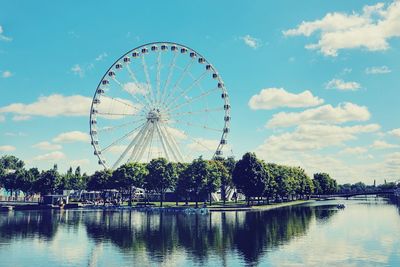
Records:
x=28, y=224
x=160, y=235
x=157, y=237
x=323, y=213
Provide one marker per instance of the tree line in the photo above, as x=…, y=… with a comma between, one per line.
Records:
x=196, y=181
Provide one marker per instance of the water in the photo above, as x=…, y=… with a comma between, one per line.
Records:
x=365, y=233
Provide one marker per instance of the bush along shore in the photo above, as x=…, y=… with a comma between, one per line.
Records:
x=236, y=185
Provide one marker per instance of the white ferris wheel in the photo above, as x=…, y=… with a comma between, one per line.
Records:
x=160, y=99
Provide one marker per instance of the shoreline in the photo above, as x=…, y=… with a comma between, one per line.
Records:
x=216, y=208
x=259, y=208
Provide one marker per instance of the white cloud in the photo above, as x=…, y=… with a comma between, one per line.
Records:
x=378, y=70
x=77, y=70
x=3, y=37
x=176, y=133
x=134, y=88
x=342, y=85
x=47, y=146
x=80, y=162
x=379, y=144
x=7, y=74
x=346, y=70
x=344, y=112
x=251, y=41
x=395, y=132
x=71, y=137
x=15, y=134
x=101, y=56
x=75, y=105
x=354, y=150
x=7, y=148
x=56, y=155
x=51, y=106
x=21, y=117
x=370, y=30
x=271, y=98
x=314, y=137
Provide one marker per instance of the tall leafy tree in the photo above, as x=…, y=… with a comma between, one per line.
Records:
x=128, y=176
x=183, y=183
x=249, y=176
x=226, y=180
x=325, y=183
x=47, y=182
x=100, y=181
x=161, y=177
x=28, y=182
x=216, y=172
x=11, y=172
x=270, y=183
x=196, y=177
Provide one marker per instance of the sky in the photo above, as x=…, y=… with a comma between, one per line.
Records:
x=311, y=83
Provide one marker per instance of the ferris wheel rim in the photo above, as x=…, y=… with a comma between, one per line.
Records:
x=227, y=112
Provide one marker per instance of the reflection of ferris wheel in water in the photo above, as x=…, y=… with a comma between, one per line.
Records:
x=159, y=100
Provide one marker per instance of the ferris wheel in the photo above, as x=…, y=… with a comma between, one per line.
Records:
x=160, y=99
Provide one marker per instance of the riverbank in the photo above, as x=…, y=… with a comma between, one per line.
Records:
x=219, y=207
x=258, y=207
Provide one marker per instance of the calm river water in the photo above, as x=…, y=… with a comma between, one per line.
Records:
x=365, y=233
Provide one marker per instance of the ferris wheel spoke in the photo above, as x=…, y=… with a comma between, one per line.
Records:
x=163, y=144
x=137, y=83
x=158, y=97
x=117, y=114
x=120, y=101
x=195, y=125
x=206, y=110
x=191, y=100
x=174, y=144
x=201, y=144
x=146, y=73
x=170, y=72
x=186, y=91
x=140, y=141
x=167, y=143
x=176, y=85
x=131, y=144
x=121, y=138
x=112, y=128
x=150, y=145
x=132, y=94
x=143, y=146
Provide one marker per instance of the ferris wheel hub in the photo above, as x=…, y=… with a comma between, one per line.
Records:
x=154, y=115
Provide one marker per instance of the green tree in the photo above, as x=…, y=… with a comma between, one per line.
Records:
x=128, y=176
x=27, y=184
x=9, y=162
x=249, y=176
x=226, y=180
x=216, y=172
x=100, y=181
x=161, y=177
x=196, y=177
x=184, y=183
x=270, y=183
x=11, y=171
x=324, y=183
x=47, y=182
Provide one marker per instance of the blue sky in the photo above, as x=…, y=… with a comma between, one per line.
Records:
x=311, y=83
